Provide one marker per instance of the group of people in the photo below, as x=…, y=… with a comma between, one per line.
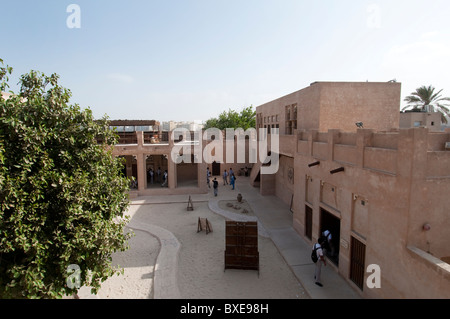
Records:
x=324, y=243
x=231, y=175
x=160, y=177
x=225, y=176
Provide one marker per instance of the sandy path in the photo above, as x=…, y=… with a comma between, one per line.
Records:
x=199, y=271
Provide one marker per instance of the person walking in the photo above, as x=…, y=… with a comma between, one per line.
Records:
x=320, y=260
x=208, y=175
x=151, y=176
x=232, y=180
x=215, y=186
x=225, y=177
x=165, y=178
x=328, y=244
x=158, y=175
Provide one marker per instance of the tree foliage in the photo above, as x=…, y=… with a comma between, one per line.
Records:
x=233, y=119
x=62, y=197
x=425, y=99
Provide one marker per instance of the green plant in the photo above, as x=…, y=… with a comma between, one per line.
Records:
x=62, y=196
x=425, y=99
x=232, y=119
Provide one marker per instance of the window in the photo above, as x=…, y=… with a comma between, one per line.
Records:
x=144, y=128
x=417, y=123
x=291, y=119
x=118, y=128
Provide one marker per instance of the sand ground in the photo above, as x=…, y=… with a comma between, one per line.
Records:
x=199, y=268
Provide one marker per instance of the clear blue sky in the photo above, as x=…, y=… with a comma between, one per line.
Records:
x=192, y=59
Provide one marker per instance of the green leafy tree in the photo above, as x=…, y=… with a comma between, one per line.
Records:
x=62, y=197
x=232, y=119
x=425, y=99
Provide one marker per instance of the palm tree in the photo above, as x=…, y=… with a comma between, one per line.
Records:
x=424, y=99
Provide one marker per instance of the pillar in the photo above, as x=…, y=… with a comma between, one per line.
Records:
x=172, y=172
x=141, y=171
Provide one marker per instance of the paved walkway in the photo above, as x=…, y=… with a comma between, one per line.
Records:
x=274, y=221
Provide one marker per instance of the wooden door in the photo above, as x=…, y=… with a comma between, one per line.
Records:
x=308, y=221
x=357, y=262
x=241, y=251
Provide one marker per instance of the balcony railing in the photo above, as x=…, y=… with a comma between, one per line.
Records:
x=156, y=137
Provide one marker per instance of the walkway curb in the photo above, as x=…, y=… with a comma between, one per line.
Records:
x=213, y=205
x=165, y=274
x=275, y=217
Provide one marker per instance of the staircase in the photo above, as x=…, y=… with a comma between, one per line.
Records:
x=254, y=174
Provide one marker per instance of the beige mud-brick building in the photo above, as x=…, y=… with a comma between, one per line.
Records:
x=328, y=105
x=145, y=147
x=382, y=191
x=432, y=121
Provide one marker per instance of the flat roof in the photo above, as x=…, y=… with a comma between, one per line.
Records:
x=133, y=122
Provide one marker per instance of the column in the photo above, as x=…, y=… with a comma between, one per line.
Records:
x=172, y=172
x=141, y=171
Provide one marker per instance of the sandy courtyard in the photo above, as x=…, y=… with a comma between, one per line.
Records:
x=198, y=267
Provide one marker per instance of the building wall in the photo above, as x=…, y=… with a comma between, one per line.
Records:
x=329, y=105
x=284, y=179
x=306, y=101
x=187, y=171
x=236, y=155
x=342, y=104
x=209, y=150
x=385, y=195
x=392, y=195
x=432, y=121
x=140, y=151
x=271, y=115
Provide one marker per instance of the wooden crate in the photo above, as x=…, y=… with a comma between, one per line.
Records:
x=241, y=245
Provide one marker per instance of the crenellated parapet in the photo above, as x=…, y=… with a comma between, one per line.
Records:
x=385, y=152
